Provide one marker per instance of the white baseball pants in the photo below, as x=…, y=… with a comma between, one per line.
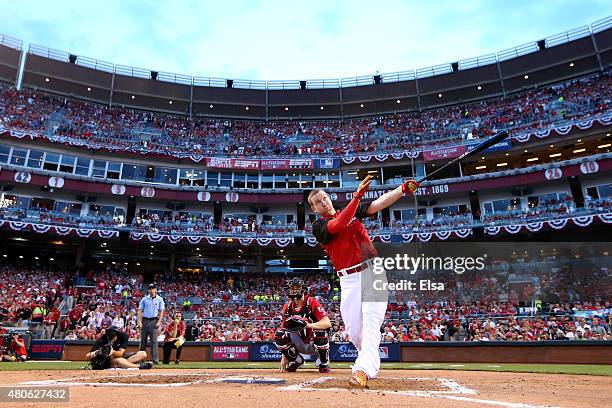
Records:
x=362, y=321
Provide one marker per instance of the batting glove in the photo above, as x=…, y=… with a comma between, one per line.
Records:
x=363, y=187
x=410, y=186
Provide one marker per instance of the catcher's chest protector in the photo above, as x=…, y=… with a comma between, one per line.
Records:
x=302, y=309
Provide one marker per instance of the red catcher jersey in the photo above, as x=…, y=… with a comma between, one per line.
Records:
x=309, y=308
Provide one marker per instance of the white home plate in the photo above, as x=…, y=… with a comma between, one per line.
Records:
x=452, y=387
x=249, y=380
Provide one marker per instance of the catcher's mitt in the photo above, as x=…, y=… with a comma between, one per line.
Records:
x=295, y=323
x=101, y=359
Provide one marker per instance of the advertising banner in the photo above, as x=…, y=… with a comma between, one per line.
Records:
x=300, y=163
x=267, y=351
x=327, y=163
x=47, y=349
x=286, y=164
x=348, y=352
x=444, y=153
x=505, y=144
x=274, y=164
x=229, y=353
x=219, y=162
x=247, y=164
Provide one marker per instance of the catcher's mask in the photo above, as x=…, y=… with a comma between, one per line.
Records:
x=296, y=288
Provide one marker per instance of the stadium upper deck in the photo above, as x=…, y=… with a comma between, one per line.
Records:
x=581, y=51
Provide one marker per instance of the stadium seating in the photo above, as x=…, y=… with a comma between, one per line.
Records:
x=99, y=127
x=478, y=307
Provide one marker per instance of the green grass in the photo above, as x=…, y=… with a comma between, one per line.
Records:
x=581, y=369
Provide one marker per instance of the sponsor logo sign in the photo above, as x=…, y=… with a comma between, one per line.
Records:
x=47, y=349
x=444, y=153
x=348, y=352
x=229, y=353
x=219, y=162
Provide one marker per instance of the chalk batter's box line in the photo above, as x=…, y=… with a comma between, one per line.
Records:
x=307, y=386
x=454, y=387
x=70, y=381
x=109, y=384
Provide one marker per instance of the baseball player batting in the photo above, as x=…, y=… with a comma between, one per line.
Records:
x=346, y=241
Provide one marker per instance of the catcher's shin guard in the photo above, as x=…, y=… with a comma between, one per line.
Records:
x=282, y=339
x=321, y=343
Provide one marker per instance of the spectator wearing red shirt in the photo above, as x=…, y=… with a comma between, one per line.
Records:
x=18, y=347
x=50, y=323
x=174, y=337
x=102, y=287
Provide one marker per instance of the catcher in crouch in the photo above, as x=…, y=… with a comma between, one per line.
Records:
x=109, y=352
x=305, y=330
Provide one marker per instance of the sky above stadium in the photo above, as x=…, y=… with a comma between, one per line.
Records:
x=272, y=39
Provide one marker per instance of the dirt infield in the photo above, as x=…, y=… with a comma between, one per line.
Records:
x=307, y=388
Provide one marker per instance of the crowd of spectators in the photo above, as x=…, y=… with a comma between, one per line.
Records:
x=103, y=127
x=530, y=303
x=201, y=223
x=204, y=223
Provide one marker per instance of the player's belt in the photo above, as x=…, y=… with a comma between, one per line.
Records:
x=354, y=269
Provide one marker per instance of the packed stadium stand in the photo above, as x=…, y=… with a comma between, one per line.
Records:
x=113, y=177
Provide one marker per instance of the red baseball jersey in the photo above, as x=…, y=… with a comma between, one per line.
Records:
x=350, y=246
x=309, y=308
x=170, y=329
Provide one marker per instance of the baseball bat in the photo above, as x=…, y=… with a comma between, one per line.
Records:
x=479, y=148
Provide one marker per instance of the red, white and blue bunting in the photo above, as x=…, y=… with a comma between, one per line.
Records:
x=194, y=240
x=197, y=157
x=424, y=236
x=413, y=154
x=557, y=224
x=407, y=237
x=107, y=234
x=421, y=236
x=84, y=232
x=63, y=230
x=174, y=239
x=604, y=120
x=58, y=229
x=197, y=239
x=17, y=225
x=311, y=241
x=582, y=221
